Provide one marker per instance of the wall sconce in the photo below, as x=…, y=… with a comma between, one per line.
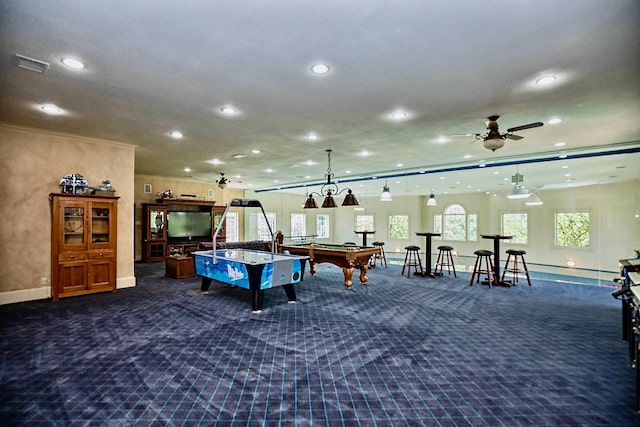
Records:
x=330, y=189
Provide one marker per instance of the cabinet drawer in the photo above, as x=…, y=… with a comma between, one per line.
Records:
x=72, y=256
x=101, y=254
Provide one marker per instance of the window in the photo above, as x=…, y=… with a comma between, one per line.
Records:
x=399, y=226
x=572, y=229
x=515, y=224
x=455, y=223
x=437, y=225
x=298, y=224
x=472, y=227
x=263, y=229
x=364, y=223
x=231, y=222
x=322, y=226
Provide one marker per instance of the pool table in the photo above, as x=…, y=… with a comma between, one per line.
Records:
x=345, y=257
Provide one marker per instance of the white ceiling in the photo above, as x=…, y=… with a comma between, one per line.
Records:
x=153, y=66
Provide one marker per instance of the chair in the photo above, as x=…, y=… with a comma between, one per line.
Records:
x=513, y=255
x=381, y=256
x=445, y=259
x=412, y=259
x=483, y=255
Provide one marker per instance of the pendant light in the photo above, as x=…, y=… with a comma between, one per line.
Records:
x=432, y=199
x=386, y=195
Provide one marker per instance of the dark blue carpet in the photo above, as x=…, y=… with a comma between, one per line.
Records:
x=397, y=352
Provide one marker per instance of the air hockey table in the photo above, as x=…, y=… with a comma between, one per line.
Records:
x=251, y=269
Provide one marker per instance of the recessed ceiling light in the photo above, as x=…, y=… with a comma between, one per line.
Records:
x=255, y=151
x=175, y=134
x=546, y=80
x=347, y=171
x=73, y=63
x=562, y=156
x=399, y=165
x=555, y=121
x=309, y=163
x=560, y=144
x=228, y=110
x=269, y=170
x=320, y=68
x=364, y=153
x=187, y=169
x=51, y=109
x=239, y=156
x=467, y=156
x=312, y=136
x=215, y=162
x=565, y=166
x=398, y=115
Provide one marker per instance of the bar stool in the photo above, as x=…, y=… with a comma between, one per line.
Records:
x=483, y=255
x=445, y=259
x=381, y=256
x=513, y=269
x=412, y=259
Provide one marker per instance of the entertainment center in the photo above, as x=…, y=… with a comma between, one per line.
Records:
x=176, y=226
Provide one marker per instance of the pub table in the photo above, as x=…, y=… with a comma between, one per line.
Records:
x=427, y=255
x=364, y=236
x=496, y=256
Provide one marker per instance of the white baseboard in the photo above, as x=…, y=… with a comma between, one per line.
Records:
x=44, y=292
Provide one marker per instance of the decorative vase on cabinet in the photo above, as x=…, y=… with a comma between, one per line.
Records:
x=83, y=244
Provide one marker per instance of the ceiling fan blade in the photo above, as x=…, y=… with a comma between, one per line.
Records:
x=514, y=137
x=523, y=127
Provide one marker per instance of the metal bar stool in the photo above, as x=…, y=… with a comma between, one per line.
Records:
x=381, y=256
x=445, y=259
x=513, y=268
x=483, y=255
x=412, y=259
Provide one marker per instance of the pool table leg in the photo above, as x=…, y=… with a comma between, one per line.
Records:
x=312, y=268
x=204, y=286
x=363, y=274
x=348, y=274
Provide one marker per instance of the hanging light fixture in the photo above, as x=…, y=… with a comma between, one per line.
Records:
x=222, y=182
x=330, y=189
x=432, y=199
x=519, y=191
x=386, y=195
x=534, y=199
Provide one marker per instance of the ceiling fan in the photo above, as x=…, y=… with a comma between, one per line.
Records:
x=494, y=140
x=222, y=182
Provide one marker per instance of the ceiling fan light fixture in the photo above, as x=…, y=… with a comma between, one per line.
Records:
x=518, y=192
x=493, y=144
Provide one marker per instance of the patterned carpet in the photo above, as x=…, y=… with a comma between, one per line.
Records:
x=397, y=352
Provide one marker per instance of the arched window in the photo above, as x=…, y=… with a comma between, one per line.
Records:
x=455, y=223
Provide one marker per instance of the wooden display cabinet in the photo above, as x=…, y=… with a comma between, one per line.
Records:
x=83, y=244
x=154, y=232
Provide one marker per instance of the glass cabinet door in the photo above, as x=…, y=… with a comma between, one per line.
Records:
x=100, y=218
x=157, y=224
x=73, y=225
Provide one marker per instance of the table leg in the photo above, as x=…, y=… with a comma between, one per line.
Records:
x=291, y=293
x=204, y=286
x=348, y=274
x=363, y=274
x=496, y=259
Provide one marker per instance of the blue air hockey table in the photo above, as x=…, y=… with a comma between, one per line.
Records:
x=251, y=269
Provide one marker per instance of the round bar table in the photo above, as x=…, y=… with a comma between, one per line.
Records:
x=496, y=256
x=364, y=236
x=427, y=255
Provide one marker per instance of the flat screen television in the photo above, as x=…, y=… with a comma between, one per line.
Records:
x=189, y=225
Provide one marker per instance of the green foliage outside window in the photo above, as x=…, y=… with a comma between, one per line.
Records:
x=572, y=229
x=515, y=224
x=399, y=227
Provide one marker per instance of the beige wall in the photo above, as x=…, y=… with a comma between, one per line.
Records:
x=32, y=162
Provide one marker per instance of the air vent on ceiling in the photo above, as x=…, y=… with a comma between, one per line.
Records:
x=30, y=64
